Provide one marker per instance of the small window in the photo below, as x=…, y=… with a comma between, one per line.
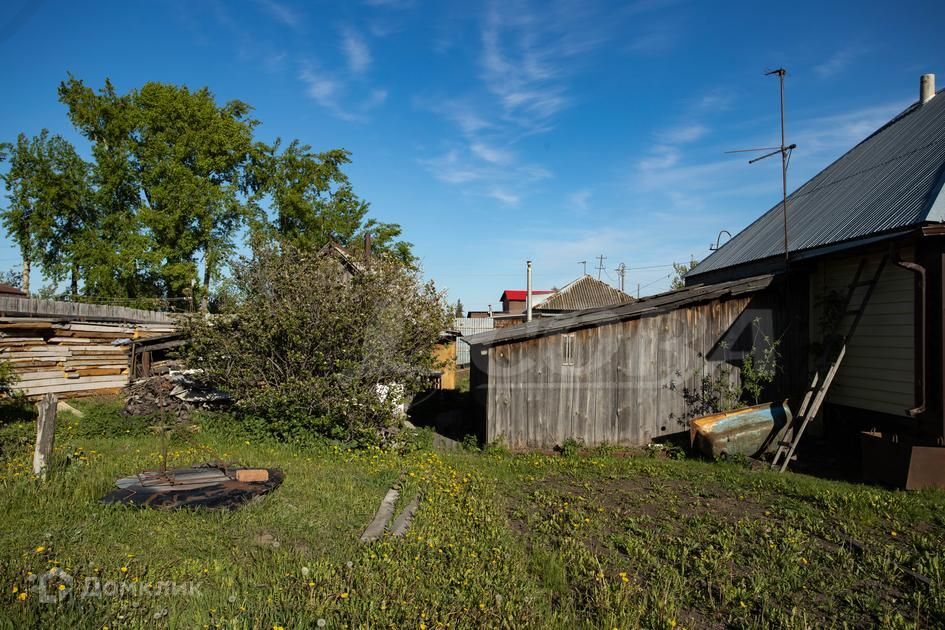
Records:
x=568, y=350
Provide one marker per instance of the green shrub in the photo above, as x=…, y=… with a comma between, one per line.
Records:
x=571, y=447
x=313, y=351
x=470, y=443
x=104, y=418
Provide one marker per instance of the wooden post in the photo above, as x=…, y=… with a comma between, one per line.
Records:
x=45, y=433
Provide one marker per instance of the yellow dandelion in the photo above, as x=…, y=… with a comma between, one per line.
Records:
x=40, y=549
x=22, y=596
x=124, y=569
x=344, y=596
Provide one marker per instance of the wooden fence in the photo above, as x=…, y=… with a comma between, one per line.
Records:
x=76, y=311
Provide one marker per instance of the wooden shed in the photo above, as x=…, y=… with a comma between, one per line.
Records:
x=615, y=374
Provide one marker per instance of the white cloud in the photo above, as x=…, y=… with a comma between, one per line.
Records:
x=356, y=51
x=838, y=62
x=493, y=155
x=331, y=93
x=281, y=13
x=503, y=196
x=322, y=90
x=684, y=133
x=579, y=201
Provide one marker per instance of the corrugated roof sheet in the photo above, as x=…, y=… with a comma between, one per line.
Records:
x=609, y=314
x=889, y=181
x=585, y=292
x=7, y=289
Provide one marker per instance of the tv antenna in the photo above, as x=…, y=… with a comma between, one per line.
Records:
x=600, y=266
x=583, y=262
x=718, y=240
x=621, y=272
x=785, y=151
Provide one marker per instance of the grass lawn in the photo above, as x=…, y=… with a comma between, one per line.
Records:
x=597, y=540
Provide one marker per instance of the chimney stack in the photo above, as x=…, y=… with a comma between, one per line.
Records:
x=528, y=293
x=926, y=88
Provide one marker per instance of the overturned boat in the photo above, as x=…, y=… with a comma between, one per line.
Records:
x=749, y=431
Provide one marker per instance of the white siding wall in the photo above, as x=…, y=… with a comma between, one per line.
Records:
x=878, y=373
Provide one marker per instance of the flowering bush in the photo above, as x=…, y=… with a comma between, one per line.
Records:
x=312, y=344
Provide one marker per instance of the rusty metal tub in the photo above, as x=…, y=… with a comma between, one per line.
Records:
x=748, y=431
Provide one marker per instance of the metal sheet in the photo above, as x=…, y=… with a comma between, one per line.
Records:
x=890, y=180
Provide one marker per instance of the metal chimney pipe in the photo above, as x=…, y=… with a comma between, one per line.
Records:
x=926, y=88
x=528, y=294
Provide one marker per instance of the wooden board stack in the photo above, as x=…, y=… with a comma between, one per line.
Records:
x=70, y=359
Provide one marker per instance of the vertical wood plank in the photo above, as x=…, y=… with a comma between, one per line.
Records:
x=45, y=433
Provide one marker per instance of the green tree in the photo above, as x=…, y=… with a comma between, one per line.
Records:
x=21, y=215
x=679, y=272
x=314, y=202
x=172, y=161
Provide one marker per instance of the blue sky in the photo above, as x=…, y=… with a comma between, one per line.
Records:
x=500, y=132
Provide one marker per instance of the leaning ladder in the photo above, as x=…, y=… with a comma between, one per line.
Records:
x=823, y=378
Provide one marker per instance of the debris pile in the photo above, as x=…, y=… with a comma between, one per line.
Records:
x=175, y=393
x=213, y=485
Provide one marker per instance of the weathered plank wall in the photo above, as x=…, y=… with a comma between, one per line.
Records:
x=620, y=388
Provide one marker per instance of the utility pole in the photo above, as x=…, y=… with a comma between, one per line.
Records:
x=528, y=293
x=600, y=264
x=621, y=272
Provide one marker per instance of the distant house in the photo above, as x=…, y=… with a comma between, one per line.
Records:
x=514, y=306
x=514, y=300
x=585, y=292
x=877, y=211
x=8, y=290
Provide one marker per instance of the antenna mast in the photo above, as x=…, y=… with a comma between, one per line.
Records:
x=785, y=151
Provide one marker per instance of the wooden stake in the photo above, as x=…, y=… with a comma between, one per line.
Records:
x=45, y=433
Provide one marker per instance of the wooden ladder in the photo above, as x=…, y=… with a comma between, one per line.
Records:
x=823, y=378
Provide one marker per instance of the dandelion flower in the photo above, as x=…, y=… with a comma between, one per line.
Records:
x=40, y=549
x=344, y=596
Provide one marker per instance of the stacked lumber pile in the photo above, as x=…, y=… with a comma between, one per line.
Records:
x=70, y=358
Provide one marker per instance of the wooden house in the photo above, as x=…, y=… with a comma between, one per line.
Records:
x=876, y=212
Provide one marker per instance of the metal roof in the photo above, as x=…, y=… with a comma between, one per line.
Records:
x=652, y=305
x=520, y=295
x=889, y=181
x=585, y=292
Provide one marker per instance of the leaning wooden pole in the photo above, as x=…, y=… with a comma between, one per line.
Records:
x=45, y=433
